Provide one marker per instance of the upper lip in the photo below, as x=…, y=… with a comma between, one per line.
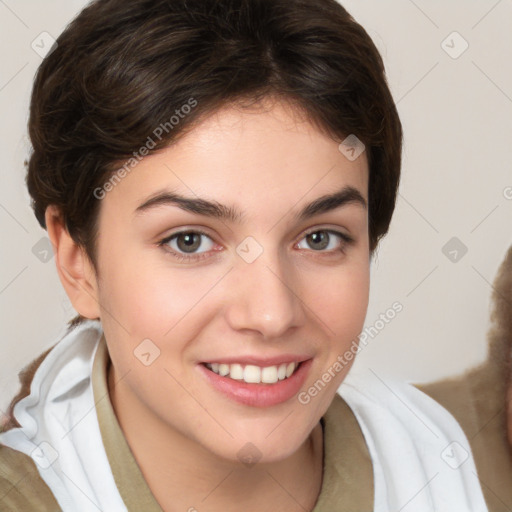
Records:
x=261, y=361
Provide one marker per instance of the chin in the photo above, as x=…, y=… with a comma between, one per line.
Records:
x=261, y=446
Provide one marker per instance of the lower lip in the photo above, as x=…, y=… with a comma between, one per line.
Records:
x=259, y=395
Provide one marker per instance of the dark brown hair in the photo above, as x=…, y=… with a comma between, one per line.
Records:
x=122, y=68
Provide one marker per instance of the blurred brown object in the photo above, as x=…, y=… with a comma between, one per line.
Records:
x=480, y=399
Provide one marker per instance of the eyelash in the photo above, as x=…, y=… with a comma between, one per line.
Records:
x=346, y=241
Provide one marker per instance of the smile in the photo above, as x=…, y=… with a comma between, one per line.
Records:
x=257, y=386
x=253, y=374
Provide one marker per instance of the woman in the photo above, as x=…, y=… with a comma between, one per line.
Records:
x=215, y=177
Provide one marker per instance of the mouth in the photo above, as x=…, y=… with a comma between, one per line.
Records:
x=256, y=386
x=252, y=374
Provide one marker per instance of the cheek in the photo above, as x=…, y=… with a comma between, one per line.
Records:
x=341, y=310
x=341, y=302
x=150, y=295
x=149, y=298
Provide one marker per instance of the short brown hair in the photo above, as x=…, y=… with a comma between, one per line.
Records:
x=123, y=67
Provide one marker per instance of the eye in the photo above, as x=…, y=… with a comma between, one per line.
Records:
x=183, y=245
x=321, y=239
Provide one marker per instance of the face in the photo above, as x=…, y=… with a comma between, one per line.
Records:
x=263, y=286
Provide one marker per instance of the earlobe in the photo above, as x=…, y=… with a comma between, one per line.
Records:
x=73, y=266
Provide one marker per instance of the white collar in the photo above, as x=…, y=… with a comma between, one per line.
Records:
x=59, y=426
x=422, y=460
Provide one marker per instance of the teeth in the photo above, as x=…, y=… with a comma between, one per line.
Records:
x=236, y=371
x=250, y=374
x=254, y=374
x=269, y=374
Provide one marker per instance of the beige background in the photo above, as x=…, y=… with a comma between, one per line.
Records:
x=457, y=117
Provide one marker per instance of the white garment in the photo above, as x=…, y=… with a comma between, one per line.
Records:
x=58, y=419
x=405, y=430
x=421, y=458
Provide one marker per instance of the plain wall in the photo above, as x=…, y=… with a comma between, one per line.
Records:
x=456, y=182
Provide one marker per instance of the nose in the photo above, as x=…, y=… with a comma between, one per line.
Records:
x=265, y=297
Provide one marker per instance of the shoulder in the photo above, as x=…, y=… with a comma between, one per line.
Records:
x=410, y=438
x=21, y=486
x=382, y=395
x=8, y=421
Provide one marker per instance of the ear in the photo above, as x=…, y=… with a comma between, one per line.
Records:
x=75, y=270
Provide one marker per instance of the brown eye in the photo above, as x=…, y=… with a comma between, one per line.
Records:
x=318, y=240
x=187, y=243
x=326, y=240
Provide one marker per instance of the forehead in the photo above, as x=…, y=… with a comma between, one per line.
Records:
x=255, y=158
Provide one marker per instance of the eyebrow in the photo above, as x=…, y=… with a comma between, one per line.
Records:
x=347, y=195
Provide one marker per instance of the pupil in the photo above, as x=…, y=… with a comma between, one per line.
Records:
x=189, y=241
x=320, y=237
